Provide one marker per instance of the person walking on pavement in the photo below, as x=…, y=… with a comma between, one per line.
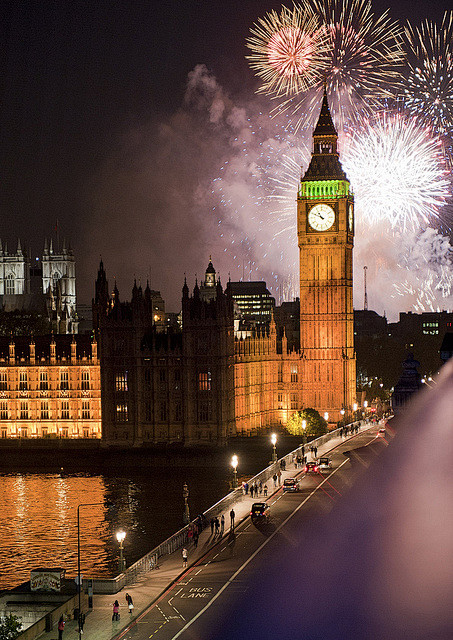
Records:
x=195, y=539
x=260, y=487
x=252, y=489
x=265, y=490
x=232, y=515
x=116, y=611
x=217, y=526
x=274, y=477
x=246, y=488
x=222, y=524
x=279, y=476
x=184, y=557
x=61, y=624
x=130, y=603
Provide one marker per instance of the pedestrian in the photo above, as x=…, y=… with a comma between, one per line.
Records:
x=184, y=557
x=222, y=524
x=274, y=477
x=303, y=451
x=232, y=515
x=316, y=451
x=260, y=487
x=279, y=476
x=252, y=489
x=116, y=611
x=61, y=624
x=190, y=533
x=212, y=526
x=246, y=488
x=195, y=539
x=243, y=488
x=130, y=603
x=217, y=526
x=81, y=621
x=265, y=490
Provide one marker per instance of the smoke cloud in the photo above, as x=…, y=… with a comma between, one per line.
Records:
x=219, y=177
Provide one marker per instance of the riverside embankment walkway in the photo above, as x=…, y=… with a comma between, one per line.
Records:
x=149, y=586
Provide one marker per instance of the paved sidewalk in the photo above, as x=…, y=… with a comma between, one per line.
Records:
x=149, y=586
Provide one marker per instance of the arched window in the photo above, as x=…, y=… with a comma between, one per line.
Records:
x=9, y=284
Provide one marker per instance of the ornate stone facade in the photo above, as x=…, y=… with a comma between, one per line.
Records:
x=50, y=388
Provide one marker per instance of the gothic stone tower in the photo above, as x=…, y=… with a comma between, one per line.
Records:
x=325, y=227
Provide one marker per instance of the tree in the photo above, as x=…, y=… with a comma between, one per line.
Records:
x=10, y=627
x=316, y=425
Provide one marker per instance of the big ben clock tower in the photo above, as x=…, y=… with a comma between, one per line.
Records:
x=325, y=228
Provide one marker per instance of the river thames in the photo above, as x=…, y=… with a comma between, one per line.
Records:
x=38, y=517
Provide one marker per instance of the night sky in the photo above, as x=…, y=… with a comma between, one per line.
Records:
x=97, y=132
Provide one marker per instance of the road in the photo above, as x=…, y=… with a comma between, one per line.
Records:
x=236, y=574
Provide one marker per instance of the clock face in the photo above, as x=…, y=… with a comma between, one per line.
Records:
x=351, y=217
x=321, y=217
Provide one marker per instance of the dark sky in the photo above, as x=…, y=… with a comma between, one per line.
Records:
x=89, y=92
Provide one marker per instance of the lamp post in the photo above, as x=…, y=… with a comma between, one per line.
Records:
x=304, y=437
x=234, y=464
x=120, y=535
x=326, y=416
x=79, y=579
x=274, y=451
x=185, y=495
x=342, y=416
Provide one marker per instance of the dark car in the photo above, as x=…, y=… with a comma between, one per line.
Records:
x=260, y=511
x=291, y=484
x=311, y=467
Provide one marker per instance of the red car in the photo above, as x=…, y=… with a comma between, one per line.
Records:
x=311, y=467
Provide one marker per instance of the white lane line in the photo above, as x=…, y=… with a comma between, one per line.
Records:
x=222, y=549
x=242, y=567
x=199, y=571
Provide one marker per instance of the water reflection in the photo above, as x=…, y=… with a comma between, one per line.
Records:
x=38, y=519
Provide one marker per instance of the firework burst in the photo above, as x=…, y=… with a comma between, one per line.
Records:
x=289, y=51
x=364, y=62
x=398, y=171
x=428, y=84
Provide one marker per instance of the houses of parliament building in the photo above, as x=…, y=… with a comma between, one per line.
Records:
x=214, y=374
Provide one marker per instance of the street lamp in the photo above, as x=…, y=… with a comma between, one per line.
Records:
x=304, y=437
x=185, y=495
x=326, y=416
x=79, y=579
x=274, y=442
x=120, y=535
x=234, y=464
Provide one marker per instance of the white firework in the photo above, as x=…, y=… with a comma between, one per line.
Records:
x=397, y=169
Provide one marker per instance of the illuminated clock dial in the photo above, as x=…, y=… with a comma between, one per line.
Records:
x=321, y=217
x=351, y=217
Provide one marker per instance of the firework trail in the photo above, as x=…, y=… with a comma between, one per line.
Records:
x=364, y=56
x=427, y=86
x=398, y=171
x=289, y=51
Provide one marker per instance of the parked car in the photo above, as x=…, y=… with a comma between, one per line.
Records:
x=324, y=463
x=311, y=467
x=291, y=484
x=260, y=511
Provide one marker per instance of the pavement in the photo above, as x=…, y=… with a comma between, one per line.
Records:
x=149, y=586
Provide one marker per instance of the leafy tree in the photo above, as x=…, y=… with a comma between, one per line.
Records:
x=316, y=425
x=10, y=627
x=19, y=323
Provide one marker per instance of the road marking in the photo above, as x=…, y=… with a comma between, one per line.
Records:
x=242, y=567
x=199, y=571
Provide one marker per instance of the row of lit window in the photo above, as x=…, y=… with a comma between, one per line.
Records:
x=24, y=412
x=44, y=384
